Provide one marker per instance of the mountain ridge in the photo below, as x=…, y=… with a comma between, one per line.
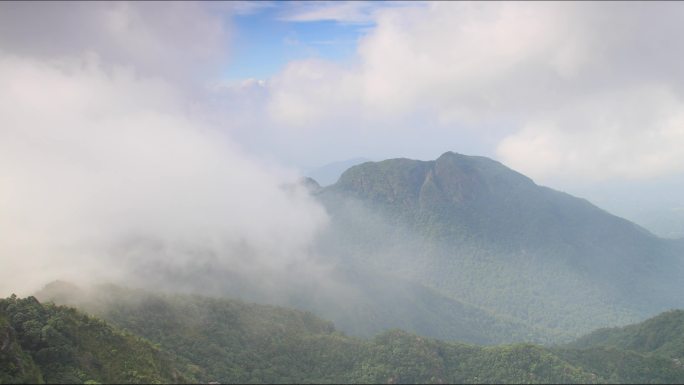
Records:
x=443, y=222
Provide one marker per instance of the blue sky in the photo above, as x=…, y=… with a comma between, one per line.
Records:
x=265, y=40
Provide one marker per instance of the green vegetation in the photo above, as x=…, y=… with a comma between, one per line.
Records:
x=458, y=249
x=621, y=366
x=662, y=335
x=385, y=301
x=471, y=230
x=17, y=365
x=55, y=344
x=234, y=342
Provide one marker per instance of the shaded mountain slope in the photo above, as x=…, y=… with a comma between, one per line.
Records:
x=380, y=301
x=361, y=300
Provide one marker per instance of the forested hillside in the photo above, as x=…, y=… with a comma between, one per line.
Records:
x=231, y=341
x=55, y=344
x=460, y=248
x=482, y=234
x=271, y=192
x=662, y=335
x=17, y=365
x=381, y=301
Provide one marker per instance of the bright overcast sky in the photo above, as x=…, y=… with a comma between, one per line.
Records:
x=570, y=94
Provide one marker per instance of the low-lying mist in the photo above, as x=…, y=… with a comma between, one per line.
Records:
x=107, y=176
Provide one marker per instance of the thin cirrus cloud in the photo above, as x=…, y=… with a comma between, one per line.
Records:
x=590, y=90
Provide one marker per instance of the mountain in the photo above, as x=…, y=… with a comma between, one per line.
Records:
x=641, y=351
x=656, y=205
x=224, y=340
x=477, y=232
x=666, y=222
x=196, y=327
x=662, y=335
x=389, y=302
x=54, y=344
x=231, y=341
x=461, y=248
x=329, y=173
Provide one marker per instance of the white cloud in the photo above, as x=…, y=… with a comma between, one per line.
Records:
x=522, y=73
x=179, y=40
x=304, y=95
x=630, y=133
x=101, y=152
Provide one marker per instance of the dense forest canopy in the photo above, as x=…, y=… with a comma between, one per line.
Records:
x=143, y=337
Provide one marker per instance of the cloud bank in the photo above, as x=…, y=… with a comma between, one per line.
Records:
x=589, y=90
x=116, y=127
x=179, y=40
x=102, y=155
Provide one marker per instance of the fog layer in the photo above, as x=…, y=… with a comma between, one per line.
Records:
x=104, y=166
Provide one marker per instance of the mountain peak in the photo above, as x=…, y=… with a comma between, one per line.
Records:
x=456, y=217
x=451, y=154
x=310, y=184
x=453, y=176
